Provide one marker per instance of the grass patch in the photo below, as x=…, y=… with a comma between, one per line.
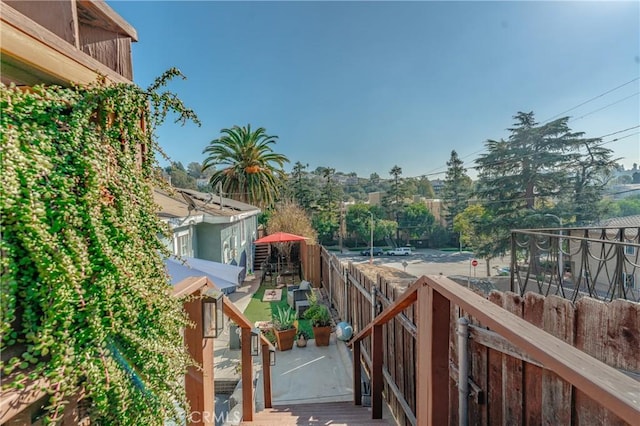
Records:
x=257, y=310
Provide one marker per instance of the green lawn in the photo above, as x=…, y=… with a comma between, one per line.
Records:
x=257, y=310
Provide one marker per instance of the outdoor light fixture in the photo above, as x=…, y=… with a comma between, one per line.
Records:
x=272, y=355
x=212, y=313
x=255, y=341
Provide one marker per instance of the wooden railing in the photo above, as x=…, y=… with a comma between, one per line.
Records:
x=199, y=382
x=433, y=297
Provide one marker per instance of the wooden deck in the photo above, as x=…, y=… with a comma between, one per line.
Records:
x=331, y=413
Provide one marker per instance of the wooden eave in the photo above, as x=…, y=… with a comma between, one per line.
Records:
x=100, y=14
x=31, y=54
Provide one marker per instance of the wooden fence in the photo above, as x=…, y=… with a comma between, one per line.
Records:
x=507, y=386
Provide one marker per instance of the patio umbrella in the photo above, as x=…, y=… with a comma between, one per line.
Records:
x=279, y=237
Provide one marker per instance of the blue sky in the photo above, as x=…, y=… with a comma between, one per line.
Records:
x=363, y=86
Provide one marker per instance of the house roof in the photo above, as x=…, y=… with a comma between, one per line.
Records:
x=204, y=207
x=625, y=221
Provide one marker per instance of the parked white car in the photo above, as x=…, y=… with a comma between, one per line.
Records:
x=400, y=251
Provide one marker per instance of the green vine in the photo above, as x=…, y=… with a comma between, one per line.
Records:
x=85, y=299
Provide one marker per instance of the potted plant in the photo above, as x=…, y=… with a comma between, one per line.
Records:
x=283, y=325
x=320, y=318
x=301, y=338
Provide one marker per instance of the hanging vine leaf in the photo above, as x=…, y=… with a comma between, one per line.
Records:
x=84, y=295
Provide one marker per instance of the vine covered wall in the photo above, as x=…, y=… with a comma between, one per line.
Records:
x=85, y=299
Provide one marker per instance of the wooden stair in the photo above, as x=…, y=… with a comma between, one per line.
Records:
x=330, y=413
x=261, y=254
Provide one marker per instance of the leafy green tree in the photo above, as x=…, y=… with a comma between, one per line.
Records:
x=456, y=189
x=473, y=225
x=424, y=188
x=589, y=170
x=326, y=225
x=393, y=199
x=629, y=206
x=250, y=171
x=537, y=165
x=624, y=179
x=180, y=178
x=194, y=169
x=301, y=188
x=416, y=220
x=359, y=222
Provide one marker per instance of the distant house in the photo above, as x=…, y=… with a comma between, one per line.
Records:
x=209, y=227
x=437, y=185
x=605, y=258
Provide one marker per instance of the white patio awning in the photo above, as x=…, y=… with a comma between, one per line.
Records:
x=225, y=277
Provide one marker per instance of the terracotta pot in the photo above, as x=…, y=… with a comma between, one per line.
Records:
x=285, y=339
x=322, y=334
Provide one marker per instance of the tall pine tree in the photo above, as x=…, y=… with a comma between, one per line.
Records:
x=456, y=189
x=540, y=169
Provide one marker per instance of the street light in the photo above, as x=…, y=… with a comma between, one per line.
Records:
x=560, y=257
x=371, y=245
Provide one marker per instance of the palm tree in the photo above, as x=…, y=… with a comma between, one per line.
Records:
x=246, y=167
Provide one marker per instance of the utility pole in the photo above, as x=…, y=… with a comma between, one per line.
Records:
x=371, y=245
x=341, y=227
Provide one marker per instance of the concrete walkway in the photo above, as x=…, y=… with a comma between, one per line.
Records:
x=302, y=375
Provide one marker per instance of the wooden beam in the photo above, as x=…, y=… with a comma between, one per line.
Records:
x=432, y=382
x=58, y=16
x=266, y=375
x=247, y=376
x=208, y=388
x=357, y=375
x=404, y=301
x=377, y=380
x=28, y=45
x=612, y=389
x=14, y=401
x=110, y=19
x=194, y=380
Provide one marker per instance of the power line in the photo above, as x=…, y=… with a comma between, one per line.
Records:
x=434, y=172
x=604, y=107
x=592, y=99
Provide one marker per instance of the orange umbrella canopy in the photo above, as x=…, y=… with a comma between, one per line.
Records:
x=280, y=237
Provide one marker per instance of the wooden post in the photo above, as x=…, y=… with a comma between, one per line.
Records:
x=432, y=399
x=266, y=376
x=208, y=388
x=199, y=383
x=377, y=379
x=357, y=375
x=247, y=376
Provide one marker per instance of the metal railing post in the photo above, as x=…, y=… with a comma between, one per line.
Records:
x=463, y=371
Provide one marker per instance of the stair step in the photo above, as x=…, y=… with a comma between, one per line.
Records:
x=333, y=413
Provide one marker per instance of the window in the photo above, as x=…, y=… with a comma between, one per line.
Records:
x=629, y=280
x=629, y=250
x=182, y=244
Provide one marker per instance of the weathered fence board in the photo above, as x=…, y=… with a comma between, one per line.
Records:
x=494, y=387
x=533, y=309
x=558, y=320
x=515, y=388
x=591, y=332
x=512, y=374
